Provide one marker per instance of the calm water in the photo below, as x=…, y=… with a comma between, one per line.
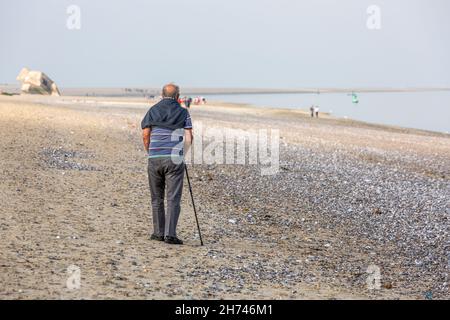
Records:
x=421, y=110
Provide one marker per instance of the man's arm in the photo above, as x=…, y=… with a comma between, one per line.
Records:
x=188, y=138
x=146, y=138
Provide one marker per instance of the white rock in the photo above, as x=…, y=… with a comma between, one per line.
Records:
x=37, y=82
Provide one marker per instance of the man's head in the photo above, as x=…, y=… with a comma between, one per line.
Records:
x=171, y=91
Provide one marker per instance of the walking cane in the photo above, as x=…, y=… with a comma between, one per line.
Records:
x=193, y=204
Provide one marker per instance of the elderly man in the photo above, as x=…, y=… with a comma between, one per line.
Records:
x=167, y=133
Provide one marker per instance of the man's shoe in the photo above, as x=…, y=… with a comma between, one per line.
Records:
x=173, y=240
x=156, y=237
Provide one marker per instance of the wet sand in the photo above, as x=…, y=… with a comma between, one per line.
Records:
x=348, y=195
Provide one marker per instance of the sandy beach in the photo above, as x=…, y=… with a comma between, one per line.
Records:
x=348, y=196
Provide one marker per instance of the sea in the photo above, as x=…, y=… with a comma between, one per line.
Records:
x=420, y=110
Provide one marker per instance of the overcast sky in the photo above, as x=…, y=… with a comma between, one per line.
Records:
x=228, y=43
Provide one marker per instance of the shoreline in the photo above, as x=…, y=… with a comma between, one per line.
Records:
x=244, y=108
x=119, y=91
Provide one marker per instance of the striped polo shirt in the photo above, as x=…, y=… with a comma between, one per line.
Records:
x=166, y=142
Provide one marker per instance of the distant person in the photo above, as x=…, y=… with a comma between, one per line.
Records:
x=187, y=102
x=316, y=111
x=203, y=100
x=166, y=131
x=312, y=111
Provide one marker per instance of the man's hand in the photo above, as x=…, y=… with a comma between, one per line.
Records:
x=146, y=138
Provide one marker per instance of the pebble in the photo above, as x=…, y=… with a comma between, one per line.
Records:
x=384, y=207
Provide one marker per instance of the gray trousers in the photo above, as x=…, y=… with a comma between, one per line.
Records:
x=165, y=176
